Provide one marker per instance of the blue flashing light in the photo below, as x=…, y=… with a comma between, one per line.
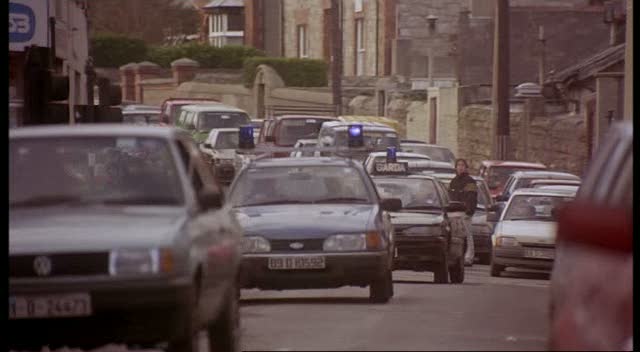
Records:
x=356, y=136
x=391, y=154
x=245, y=140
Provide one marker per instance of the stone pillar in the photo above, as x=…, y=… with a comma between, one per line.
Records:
x=184, y=70
x=608, y=96
x=128, y=81
x=144, y=70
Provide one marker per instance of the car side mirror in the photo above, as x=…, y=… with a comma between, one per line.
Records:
x=270, y=139
x=210, y=198
x=456, y=207
x=391, y=204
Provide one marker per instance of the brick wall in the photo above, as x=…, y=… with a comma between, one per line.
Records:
x=557, y=141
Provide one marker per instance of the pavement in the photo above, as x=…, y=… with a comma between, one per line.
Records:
x=483, y=313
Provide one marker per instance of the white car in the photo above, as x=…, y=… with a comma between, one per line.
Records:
x=219, y=150
x=401, y=157
x=525, y=234
x=305, y=143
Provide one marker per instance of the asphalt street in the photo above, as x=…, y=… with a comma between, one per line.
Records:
x=484, y=313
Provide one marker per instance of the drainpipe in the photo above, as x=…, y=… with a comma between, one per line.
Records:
x=377, y=34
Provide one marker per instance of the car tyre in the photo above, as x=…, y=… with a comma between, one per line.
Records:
x=381, y=290
x=456, y=272
x=224, y=332
x=441, y=274
x=496, y=269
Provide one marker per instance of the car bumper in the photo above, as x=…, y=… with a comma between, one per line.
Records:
x=419, y=253
x=141, y=311
x=514, y=257
x=341, y=269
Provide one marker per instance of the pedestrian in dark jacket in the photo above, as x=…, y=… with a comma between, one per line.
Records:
x=463, y=188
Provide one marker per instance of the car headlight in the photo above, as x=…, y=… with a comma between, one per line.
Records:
x=353, y=242
x=423, y=231
x=255, y=244
x=140, y=261
x=506, y=241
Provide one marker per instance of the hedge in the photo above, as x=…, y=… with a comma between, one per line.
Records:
x=294, y=72
x=113, y=50
x=230, y=56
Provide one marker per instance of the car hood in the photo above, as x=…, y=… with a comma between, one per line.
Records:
x=305, y=220
x=543, y=232
x=64, y=229
x=404, y=218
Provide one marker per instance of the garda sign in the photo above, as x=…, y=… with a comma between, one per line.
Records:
x=28, y=24
x=391, y=168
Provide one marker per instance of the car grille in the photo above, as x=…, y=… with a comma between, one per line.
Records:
x=21, y=266
x=308, y=245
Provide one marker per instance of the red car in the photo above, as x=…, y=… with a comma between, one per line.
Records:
x=171, y=107
x=591, y=306
x=497, y=172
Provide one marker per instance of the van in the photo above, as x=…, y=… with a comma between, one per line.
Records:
x=377, y=137
x=199, y=120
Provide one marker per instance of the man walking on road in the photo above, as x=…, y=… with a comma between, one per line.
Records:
x=463, y=189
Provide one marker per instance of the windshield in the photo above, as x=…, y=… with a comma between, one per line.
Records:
x=141, y=119
x=435, y=153
x=414, y=193
x=227, y=140
x=210, y=120
x=374, y=140
x=120, y=170
x=535, y=207
x=498, y=175
x=306, y=184
x=290, y=130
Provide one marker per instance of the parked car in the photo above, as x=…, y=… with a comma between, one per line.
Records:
x=313, y=223
x=199, y=120
x=525, y=234
x=429, y=232
x=171, y=107
x=524, y=179
x=481, y=228
x=94, y=247
x=219, y=150
x=435, y=152
x=378, y=157
x=497, y=172
x=591, y=296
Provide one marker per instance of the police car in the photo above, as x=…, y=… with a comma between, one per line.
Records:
x=429, y=233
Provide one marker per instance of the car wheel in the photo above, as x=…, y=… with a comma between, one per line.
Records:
x=496, y=269
x=484, y=258
x=441, y=274
x=224, y=332
x=381, y=290
x=456, y=272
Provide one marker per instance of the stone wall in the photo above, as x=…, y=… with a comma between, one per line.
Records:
x=557, y=141
x=303, y=12
x=372, y=62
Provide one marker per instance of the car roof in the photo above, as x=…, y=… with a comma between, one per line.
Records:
x=552, y=180
x=543, y=174
x=374, y=126
x=140, y=112
x=96, y=130
x=190, y=100
x=544, y=192
x=401, y=154
x=293, y=117
x=510, y=163
x=431, y=163
x=304, y=161
x=211, y=107
x=560, y=187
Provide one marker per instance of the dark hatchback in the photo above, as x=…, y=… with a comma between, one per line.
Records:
x=313, y=223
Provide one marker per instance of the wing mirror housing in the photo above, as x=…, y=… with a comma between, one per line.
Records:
x=456, y=207
x=210, y=198
x=391, y=204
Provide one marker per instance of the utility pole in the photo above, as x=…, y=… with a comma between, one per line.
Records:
x=500, y=101
x=336, y=54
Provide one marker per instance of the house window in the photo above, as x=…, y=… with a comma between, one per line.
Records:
x=218, y=34
x=302, y=42
x=359, y=47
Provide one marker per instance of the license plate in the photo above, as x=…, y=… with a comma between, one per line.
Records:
x=291, y=263
x=50, y=306
x=539, y=253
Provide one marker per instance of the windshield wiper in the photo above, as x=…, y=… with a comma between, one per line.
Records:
x=276, y=202
x=342, y=200
x=42, y=201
